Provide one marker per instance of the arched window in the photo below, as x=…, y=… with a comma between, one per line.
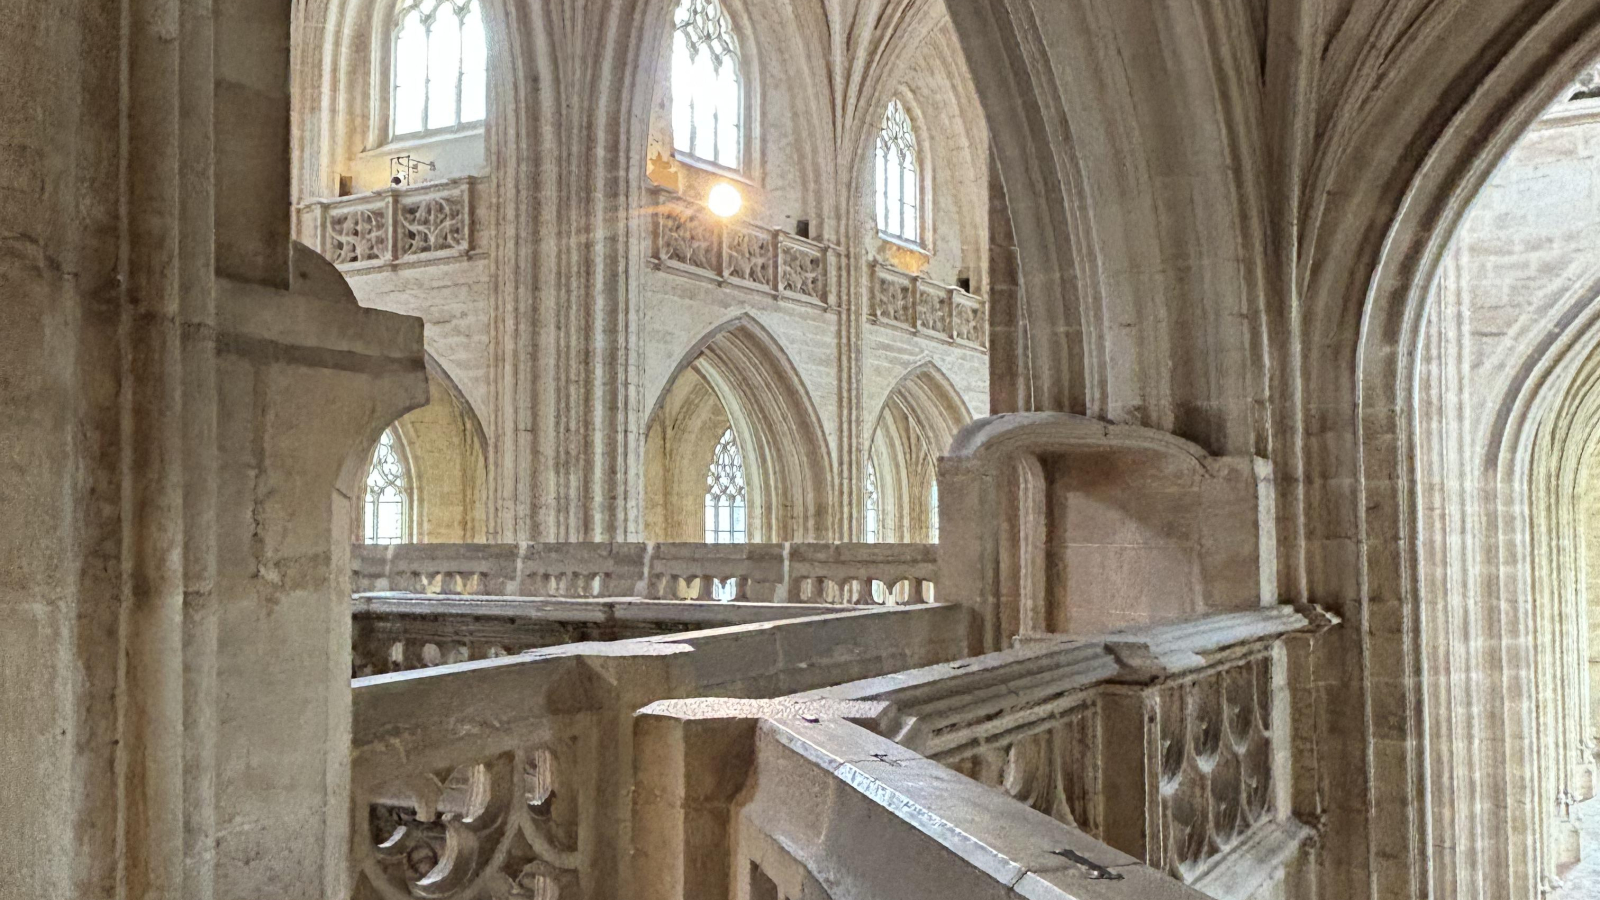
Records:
x=707, y=97
x=439, y=67
x=725, y=500
x=898, y=186
x=870, y=533
x=386, y=513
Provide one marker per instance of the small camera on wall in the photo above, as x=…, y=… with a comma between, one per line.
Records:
x=403, y=168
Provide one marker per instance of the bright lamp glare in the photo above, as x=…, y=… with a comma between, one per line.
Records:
x=725, y=200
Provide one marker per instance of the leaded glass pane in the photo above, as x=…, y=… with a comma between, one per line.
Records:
x=870, y=533
x=440, y=66
x=387, y=507
x=707, y=94
x=898, y=184
x=725, y=493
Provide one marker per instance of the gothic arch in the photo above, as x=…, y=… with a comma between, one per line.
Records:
x=741, y=367
x=925, y=71
x=788, y=104
x=446, y=455
x=916, y=423
x=1449, y=109
x=1122, y=263
x=932, y=402
x=341, y=93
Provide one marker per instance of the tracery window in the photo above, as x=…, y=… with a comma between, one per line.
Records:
x=386, y=513
x=870, y=533
x=725, y=495
x=707, y=95
x=899, y=189
x=439, y=69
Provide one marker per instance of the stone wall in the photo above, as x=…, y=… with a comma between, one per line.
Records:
x=838, y=367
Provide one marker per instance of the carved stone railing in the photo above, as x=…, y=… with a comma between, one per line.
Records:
x=689, y=240
x=920, y=305
x=1140, y=764
x=412, y=224
x=401, y=632
x=513, y=777
x=835, y=574
x=1168, y=743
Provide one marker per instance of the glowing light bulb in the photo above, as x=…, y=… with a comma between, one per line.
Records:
x=725, y=200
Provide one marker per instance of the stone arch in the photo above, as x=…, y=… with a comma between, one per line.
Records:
x=445, y=446
x=1120, y=267
x=341, y=96
x=925, y=71
x=771, y=104
x=916, y=422
x=1469, y=95
x=739, y=369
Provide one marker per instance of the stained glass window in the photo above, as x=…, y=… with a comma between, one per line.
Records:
x=386, y=515
x=707, y=96
x=440, y=66
x=870, y=533
x=898, y=184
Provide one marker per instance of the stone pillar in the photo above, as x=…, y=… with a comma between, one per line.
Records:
x=308, y=380
x=692, y=759
x=252, y=140
x=687, y=773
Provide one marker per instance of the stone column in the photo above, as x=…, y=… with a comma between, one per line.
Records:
x=308, y=380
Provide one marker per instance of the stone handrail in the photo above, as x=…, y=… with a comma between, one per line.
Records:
x=511, y=775
x=1147, y=763
x=398, y=632
x=410, y=224
x=903, y=300
x=1169, y=743
x=834, y=574
x=690, y=241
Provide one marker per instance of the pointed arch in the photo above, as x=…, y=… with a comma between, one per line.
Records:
x=931, y=402
x=916, y=423
x=788, y=468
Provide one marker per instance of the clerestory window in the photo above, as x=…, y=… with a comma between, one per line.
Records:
x=707, y=92
x=439, y=68
x=386, y=513
x=899, y=188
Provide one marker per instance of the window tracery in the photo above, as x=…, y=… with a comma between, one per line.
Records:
x=386, y=512
x=707, y=92
x=899, y=190
x=439, y=67
x=870, y=532
x=725, y=494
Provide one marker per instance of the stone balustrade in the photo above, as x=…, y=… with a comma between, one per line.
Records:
x=834, y=574
x=689, y=240
x=513, y=777
x=410, y=224
x=860, y=751
x=923, y=306
x=1155, y=760
x=399, y=632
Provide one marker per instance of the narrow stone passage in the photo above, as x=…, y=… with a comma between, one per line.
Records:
x=1583, y=882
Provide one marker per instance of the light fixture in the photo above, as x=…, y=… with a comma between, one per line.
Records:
x=725, y=200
